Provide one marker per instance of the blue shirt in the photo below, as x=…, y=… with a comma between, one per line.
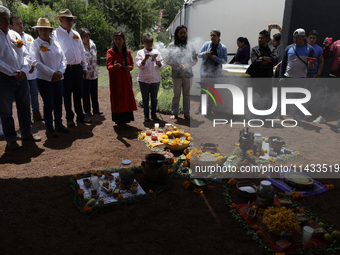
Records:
x=317, y=53
x=222, y=57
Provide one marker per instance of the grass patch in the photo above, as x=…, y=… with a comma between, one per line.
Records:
x=164, y=100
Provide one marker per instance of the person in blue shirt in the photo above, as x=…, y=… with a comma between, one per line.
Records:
x=318, y=66
x=214, y=55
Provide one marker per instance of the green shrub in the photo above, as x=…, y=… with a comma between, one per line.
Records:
x=164, y=101
x=166, y=82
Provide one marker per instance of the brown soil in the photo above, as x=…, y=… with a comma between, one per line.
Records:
x=37, y=215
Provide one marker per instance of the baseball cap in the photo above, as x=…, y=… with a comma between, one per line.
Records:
x=299, y=31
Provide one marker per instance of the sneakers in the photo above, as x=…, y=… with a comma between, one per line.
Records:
x=32, y=138
x=12, y=145
x=50, y=133
x=319, y=120
x=70, y=123
x=37, y=116
x=98, y=112
x=62, y=129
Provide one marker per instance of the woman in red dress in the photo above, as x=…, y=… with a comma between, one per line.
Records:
x=119, y=63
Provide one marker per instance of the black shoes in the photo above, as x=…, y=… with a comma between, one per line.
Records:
x=62, y=129
x=70, y=123
x=84, y=120
x=154, y=117
x=88, y=114
x=13, y=145
x=50, y=133
x=146, y=119
x=98, y=112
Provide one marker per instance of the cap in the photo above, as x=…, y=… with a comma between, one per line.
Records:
x=299, y=31
x=266, y=183
x=126, y=162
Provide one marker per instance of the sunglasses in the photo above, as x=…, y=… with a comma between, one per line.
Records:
x=68, y=19
x=213, y=35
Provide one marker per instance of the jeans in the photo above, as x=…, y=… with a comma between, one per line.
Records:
x=11, y=89
x=90, y=89
x=152, y=90
x=73, y=83
x=52, y=95
x=34, y=95
x=181, y=84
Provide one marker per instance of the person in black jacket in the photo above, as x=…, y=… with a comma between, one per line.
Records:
x=262, y=57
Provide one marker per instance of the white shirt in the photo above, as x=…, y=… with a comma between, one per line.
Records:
x=149, y=73
x=72, y=46
x=28, y=40
x=50, y=61
x=12, y=58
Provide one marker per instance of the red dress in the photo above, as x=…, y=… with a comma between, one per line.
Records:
x=121, y=94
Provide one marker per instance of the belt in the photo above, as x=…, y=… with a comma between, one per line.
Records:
x=72, y=66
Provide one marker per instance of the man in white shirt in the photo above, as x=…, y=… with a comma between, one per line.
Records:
x=13, y=69
x=17, y=26
x=76, y=70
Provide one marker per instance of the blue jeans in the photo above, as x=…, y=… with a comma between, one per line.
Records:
x=11, y=89
x=73, y=84
x=52, y=95
x=181, y=84
x=149, y=89
x=90, y=89
x=34, y=95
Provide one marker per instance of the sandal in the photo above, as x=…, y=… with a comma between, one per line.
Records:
x=174, y=117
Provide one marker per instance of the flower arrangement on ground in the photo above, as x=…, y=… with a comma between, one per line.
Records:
x=281, y=219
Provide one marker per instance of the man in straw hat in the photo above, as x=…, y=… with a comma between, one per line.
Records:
x=13, y=69
x=17, y=26
x=76, y=69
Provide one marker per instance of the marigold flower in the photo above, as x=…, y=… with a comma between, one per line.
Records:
x=260, y=211
x=186, y=184
x=19, y=43
x=209, y=187
x=329, y=186
x=185, y=164
x=236, y=157
x=255, y=227
x=298, y=208
x=252, y=204
x=272, y=160
x=75, y=37
x=87, y=209
x=120, y=197
x=170, y=170
x=187, y=135
x=149, y=145
x=259, y=233
x=188, y=157
x=233, y=205
x=232, y=181
x=44, y=48
x=237, y=144
x=283, y=155
x=296, y=152
x=302, y=211
x=142, y=136
x=117, y=179
x=311, y=244
x=282, y=194
x=150, y=191
x=94, y=173
x=137, y=132
x=99, y=174
x=75, y=176
x=198, y=190
x=152, y=129
x=278, y=205
x=122, y=186
x=81, y=192
x=250, y=153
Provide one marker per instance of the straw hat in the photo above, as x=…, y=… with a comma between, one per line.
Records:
x=43, y=23
x=65, y=13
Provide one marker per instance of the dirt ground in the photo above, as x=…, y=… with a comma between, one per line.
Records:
x=37, y=215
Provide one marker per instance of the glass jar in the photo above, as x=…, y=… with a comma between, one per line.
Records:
x=126, y=163
x=265, y=195
x=257, y=145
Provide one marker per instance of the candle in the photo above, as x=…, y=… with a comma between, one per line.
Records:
x=95, y=182
x=156, y=126
x=307, y=234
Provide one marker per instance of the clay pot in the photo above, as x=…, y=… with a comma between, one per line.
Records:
x=155, y=167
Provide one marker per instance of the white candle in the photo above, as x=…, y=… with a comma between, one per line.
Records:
x=307, y=234
x=95, y=183
x=156, y=126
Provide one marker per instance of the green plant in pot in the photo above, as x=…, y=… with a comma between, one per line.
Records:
x=126, y=176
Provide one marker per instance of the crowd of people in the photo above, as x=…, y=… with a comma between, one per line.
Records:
x=61, y=64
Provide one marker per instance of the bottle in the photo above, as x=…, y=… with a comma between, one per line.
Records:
x=257, y=142
x=265, y=195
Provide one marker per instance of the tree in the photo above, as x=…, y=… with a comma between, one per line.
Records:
x=170, y=7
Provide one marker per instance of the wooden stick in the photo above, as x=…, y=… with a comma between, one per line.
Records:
x=210, y=208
